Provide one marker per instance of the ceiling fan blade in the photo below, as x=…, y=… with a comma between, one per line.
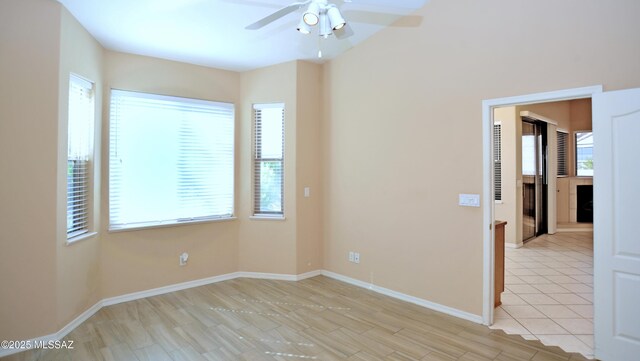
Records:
x=277, y=15
x=343, y=33
x=384, y=19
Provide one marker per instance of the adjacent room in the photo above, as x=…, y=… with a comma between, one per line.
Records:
x=548, y=266
x=322, y=179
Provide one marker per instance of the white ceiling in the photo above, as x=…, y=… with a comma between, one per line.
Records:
x=212, y=32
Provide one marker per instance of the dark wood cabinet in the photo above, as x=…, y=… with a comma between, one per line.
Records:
x=499, y=261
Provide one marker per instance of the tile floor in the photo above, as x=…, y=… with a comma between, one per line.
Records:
x=549, y=292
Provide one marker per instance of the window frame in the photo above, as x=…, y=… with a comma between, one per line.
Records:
x=257, y=160
x=184, y=102
x=85, y=172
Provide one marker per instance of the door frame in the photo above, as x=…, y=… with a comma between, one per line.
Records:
x=488, y=209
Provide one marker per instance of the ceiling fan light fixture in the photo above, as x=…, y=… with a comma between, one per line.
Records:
x=325, y=28
x=311, y=17
x=303, y=27
x=335, y=18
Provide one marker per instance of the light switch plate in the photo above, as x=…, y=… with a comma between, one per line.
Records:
x=469, y=200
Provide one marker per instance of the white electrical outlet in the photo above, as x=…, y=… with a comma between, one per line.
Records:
x=356, y=257
x=184, y=257
x=351, y=256
x=307, y=192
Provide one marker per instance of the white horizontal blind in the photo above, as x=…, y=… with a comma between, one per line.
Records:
x=79, y=150
x=563, y=168
x=268, y=169
x=497, y=160
x=171, y=160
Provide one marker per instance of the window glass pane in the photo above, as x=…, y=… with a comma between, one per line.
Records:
x=171, y=160
x=528, y=154
x=584, y=154
x=271, y=124
x=271, y=186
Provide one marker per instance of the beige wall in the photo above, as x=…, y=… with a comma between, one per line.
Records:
x=268, y=245
x=397, y=156
x=78, y=278
x=309, y=167
x=292, y=245
x=134, y=261
x=29, y=62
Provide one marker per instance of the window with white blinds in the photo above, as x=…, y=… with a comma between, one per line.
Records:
x=268, y=163
x=497, y=160
x=563, y=168
x=171, y=160
x=80, y=129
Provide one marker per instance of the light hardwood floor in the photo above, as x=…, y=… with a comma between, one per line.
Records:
x=315, y=319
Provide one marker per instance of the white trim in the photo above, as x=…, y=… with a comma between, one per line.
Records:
x=168, y=289
x=267, y=276
x=304, y=276
x=77, y=321
x=260, y=106
x=581, y=229
x=513, y=245
x=268, y=218
x=81, y=237
x=60, y=334
x=526, y=113
x=487, y=189
x=164, y=224
x=404, y=297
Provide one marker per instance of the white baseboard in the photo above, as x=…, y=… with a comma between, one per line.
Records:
x=167, y=289
x=230, y=276
x=582, y=229
x=304, y=276
x=60, y=334
x=404, y=297
x=514, y=246
x=267, y=276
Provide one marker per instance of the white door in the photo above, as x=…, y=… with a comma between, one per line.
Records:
x=616, y=135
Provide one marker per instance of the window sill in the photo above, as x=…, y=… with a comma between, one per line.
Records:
x=262, y=217
x=165, y=225
x=81, y=237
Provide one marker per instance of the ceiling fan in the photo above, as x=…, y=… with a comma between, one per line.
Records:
x=319, y=13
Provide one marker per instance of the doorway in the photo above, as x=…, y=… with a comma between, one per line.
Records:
x=534, y=178
x=489, y=168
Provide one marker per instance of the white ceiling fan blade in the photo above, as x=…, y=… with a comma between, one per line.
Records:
x=344, y=32
x=383, y=19
x=277, y=15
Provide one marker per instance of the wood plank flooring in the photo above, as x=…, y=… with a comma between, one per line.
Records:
x=316, y=319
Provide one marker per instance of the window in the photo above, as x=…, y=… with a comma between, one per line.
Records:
x=563, y=170
x=268, y=161
x=79, y=155
x=497, y=160
x=584, y=154
x=171, y=160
